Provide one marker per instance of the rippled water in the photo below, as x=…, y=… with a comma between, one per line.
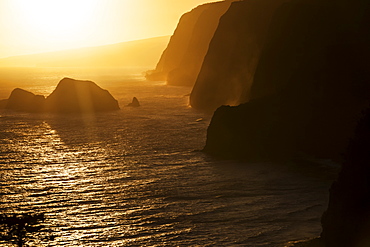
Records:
x=135, y=178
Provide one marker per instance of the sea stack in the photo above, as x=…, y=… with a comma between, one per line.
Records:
x=134, y=103
x=75, y=96
x=22, y=100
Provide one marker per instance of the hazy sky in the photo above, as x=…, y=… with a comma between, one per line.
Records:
x=32, y=26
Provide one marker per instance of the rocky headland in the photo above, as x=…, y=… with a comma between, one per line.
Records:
x=310, y=85
x=228, y=70
x=182, y=59
x=291, y=79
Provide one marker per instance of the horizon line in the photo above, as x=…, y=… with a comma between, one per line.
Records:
x=83, y=47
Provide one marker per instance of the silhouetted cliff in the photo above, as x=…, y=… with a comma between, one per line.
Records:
x=80, y=96
x=347, y=220
x=310, y=85
x=228, y=69
x=181, y=61
x=252, y=55
x=70, y=96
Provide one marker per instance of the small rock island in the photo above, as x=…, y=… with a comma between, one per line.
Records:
x=135, y=102
x=70, y=96
x=22, y=100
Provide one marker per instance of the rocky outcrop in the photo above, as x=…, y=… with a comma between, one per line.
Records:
x=181, y=61
x=311, y=83
x=253, y=131
x=70, y=96
x=227, y=72
x=22, y=100
x=347, y=219
x=134, y=102
x=80, y=96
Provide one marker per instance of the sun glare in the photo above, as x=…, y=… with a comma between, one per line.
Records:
x=56, y=19
x=36, y=26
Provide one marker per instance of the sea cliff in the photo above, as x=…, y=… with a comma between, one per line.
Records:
x=347, y=219
x=307, y=99
x=182, y=59
x=227, y=72
x=310, y=85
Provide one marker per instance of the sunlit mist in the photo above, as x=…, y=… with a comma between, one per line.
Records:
x=33, y=26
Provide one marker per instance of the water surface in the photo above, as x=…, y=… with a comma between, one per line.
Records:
x=135, y=177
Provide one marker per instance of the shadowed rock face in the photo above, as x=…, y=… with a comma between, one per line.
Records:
x=181, y=61
x=22, y=100
x=80, y=96
x=347, y=220
x=254, y=131
x=311, y=83
x=227, y=73
x=260, y=47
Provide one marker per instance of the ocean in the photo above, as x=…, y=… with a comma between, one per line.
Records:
x=137, y=177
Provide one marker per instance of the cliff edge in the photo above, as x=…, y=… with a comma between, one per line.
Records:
x=181, y=60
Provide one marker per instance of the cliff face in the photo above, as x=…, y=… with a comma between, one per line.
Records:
x=310, y=87
x=181, y=61
x=228, y=69
x=347, y=220
x=312, y=82
x=260, y=46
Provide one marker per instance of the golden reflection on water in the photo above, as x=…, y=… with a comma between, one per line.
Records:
x=61, y=179
x=131, y=178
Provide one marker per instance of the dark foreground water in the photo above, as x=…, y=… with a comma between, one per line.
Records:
x=135, y=178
